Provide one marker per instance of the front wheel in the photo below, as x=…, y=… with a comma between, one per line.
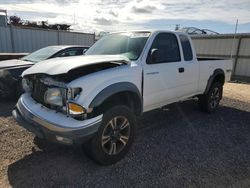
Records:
x=209, y=102
x=114, y=137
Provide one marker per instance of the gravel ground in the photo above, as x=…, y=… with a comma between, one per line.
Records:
x=175, y=147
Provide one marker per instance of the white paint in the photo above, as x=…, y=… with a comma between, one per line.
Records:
x=14, y=62
x=159, y=89
x=64, y=64
x=62, y=123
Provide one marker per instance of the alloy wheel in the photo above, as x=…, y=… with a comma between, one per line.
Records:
x=115, y=135
x=215, y=97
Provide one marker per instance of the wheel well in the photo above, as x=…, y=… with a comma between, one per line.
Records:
x=219, y=78
x=127, y=98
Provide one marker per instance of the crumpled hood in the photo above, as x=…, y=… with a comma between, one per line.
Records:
x=13, y=63
x=63, y=65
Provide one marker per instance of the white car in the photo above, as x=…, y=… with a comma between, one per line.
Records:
x=95, y=99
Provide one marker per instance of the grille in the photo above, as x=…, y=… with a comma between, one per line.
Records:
x=38, y=91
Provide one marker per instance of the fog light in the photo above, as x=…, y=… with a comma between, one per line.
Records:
x=65, y=140
x=75, y=109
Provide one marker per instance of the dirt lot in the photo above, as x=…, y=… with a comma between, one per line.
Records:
x=175, y=147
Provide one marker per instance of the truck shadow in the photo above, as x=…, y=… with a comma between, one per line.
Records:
x=176, y=146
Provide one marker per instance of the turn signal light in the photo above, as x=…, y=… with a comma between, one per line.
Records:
x=75, y=109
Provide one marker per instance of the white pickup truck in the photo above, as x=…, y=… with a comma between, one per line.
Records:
x=95, y=99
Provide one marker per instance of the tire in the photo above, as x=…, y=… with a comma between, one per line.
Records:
x=7, y=85
x=114, y=136
x=210, y=102
x=5, y=91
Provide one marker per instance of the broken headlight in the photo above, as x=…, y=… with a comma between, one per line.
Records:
x=73, y=93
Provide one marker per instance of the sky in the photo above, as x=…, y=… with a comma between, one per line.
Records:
x=116, y=15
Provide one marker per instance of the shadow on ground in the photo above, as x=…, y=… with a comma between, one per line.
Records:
x=175, y=147
x=6, y=107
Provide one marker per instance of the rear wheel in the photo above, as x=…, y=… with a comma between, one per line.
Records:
x=209, y=102
x=114, y=137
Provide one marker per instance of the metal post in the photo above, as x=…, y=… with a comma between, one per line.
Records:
x=235, y=31
x=6, y=18
x=237, y=55
x=12, y=39
x=58, y=37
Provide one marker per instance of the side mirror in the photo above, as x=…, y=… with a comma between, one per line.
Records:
x=154, y=55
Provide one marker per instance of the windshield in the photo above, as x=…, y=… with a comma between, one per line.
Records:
x=42, y=54
x=127, y=44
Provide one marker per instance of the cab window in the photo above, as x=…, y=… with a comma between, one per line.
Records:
x=165, y=48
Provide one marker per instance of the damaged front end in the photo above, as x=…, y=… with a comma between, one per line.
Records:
x=52, y=108
x=54, y=94
x=51, y=91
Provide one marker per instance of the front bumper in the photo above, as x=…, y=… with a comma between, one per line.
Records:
x=51, y=125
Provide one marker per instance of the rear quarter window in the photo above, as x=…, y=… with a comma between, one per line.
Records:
x=186, y=48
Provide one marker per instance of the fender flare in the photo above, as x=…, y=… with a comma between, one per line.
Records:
x=114, y=89
x=212, y=77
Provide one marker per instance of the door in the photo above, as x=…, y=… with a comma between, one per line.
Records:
x=161, y=72
x=165, y=73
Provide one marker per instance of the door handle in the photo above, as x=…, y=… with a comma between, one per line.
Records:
x=152, y=73
x=181, y=70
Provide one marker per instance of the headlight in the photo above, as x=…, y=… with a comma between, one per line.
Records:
x=72, y=93
x=53, y=96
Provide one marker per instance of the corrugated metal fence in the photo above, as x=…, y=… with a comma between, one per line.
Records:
x=222, y=46
x=19, y=39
